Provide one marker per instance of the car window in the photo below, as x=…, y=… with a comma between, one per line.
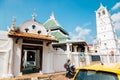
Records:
x=93, y=75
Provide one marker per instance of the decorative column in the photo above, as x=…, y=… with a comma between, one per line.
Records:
x=68, y=47
x=45, y=58
x=86, y=49
x=17, y=57
x=87, y=56
x=51, y=65
x=68, y=50
x=75, y=48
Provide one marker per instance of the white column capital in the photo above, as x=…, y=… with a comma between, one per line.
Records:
x=75, y=48
x=86, y=49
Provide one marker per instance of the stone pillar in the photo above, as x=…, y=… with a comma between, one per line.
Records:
x=68, y=50
x=10, y=59
x=69, y=46
x=17, y=57
x=86, y=49
x=87, y=56
x=47, y=58
x=88, y=59
x=51, y=65
x=25, y=59
x=75, y=48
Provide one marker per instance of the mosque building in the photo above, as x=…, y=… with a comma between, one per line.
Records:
x=33, y=47
x=107, y=43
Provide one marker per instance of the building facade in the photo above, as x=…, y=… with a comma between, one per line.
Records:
x=107, y=41
x=33, y=47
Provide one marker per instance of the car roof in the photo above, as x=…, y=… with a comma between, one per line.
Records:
x=110, y=67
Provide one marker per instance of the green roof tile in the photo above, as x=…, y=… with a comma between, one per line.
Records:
x=60, y=36
x=56, y=29
x=53, y=24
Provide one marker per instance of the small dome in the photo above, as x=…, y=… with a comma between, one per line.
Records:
x=32, y=26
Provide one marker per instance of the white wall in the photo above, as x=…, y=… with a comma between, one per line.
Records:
x=6, y=46
x=47, y=58
x=59, y=60
x=17, y=57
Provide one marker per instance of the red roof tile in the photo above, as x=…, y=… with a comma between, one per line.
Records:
x=31, y=36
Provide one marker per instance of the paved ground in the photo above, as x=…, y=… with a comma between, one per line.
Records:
x=60, y=78
x=38, y=76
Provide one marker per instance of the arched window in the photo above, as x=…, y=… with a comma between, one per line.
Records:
x=105, y=44
x=99, y=14
x=103, y=12
x=39, y=31
x=33, y=26
x=26, y=29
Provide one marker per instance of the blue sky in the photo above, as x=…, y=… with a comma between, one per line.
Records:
x=76, y=16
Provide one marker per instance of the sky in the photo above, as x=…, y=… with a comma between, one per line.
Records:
x=77, y=17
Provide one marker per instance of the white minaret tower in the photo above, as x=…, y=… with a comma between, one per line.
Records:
x=105, y=32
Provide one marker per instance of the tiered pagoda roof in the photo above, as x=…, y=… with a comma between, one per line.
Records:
x=57, y=30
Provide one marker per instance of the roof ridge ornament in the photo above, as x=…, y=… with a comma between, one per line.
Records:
x=52, y=16
x=13, y=26
x=101, y=5
x=34, y=15
x=49, y=32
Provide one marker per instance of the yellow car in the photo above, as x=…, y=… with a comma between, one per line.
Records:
x=98, y=72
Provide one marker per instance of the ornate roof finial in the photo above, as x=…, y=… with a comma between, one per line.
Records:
x=34, y=14
x=101, y=5
x=49, y=32
x=52, y=16
x=13, y=27
x=14, y=19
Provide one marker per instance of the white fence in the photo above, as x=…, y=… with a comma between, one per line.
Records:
x=110, y=59
x=59, y=60
x=88, y=58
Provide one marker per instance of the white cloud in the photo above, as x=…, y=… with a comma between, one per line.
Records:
x=87, y=24
x=116, y=6
x=116, y=20
x=80, y=34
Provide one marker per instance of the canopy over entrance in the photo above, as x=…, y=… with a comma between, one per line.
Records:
x=31, y=36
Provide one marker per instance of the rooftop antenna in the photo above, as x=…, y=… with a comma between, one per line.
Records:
x=34, y=15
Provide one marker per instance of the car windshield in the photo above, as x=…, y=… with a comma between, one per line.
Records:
x=95, y=75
